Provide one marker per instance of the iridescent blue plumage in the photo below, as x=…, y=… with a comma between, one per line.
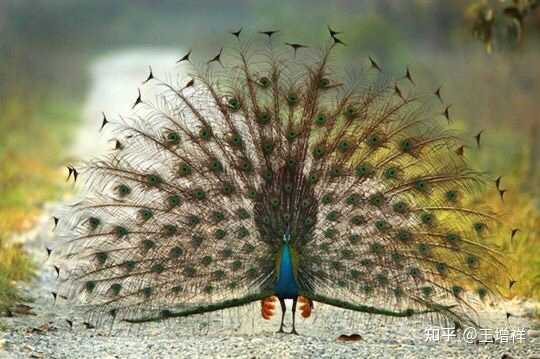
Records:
x=286, y=286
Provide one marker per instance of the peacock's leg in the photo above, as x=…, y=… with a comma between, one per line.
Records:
x=294, y=315
x=283, y=308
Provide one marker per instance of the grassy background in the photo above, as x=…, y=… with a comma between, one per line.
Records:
x=47, y=44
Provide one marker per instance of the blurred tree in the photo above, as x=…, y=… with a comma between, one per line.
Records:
x=503, y=20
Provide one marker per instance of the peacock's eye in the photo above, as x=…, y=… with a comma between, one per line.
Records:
x=170, y=229
x=324, y=83
x=291, y=162
x=252, y=194
x=327, y=198
x=173, y=138
x=264, y=82
x=185, y=170
x=173, y=200
x=353, y=199
x=94, y=222
x=148, y=244
x=206, y=133
x=427, y=291
x=406, y=145
x=442, y=268
x=236, y=140
x=216, y=166
x=194, y=220
x=354, y=238
x=482, y=292
x=376, y=199
x=404, y=235
x=318, y=151
x=312, y=179
x=391, y=173
x=363, y=170
x=456, y=290
x=243, y=213
x=292, y=99
x=321, y=119
x=376, y=248
x=336, y=171
x=220, y=233
x=242, y=232
x=479, y=227
x=451, y=195
x=199, y=194
x=401, y=207
x=453, y=237
x=267, y=175
x=423, y=248
x=120, y=231
x=268, y=147
x=124, y=190
x=176, y=252
x=291, y=135
x=234, y=104
x=332, y=216
x=374, y=140
x=246, y=166
x=350, y=112
x=421, y=185
x=343, y=146
x=427, y=218
x=357, y=220
x=382, y=225
x=154, y=180
x=227, y=188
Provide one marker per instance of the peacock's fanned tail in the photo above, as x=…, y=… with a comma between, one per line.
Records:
x=187, y=215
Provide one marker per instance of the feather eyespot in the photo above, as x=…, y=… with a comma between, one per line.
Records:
x=332, y=216
x=292, y=99
x=94, y=222
x=199, y=194
x=123, y=190
x=185, y=170
x=234, y=104
x=324, y=83
x=401, y=207
x=175, y=252
x=406, y=145
x=146, y=214
x=206, y=133
x=173, y=138
x=227, y=189
x=264, y=82
x=350, y=112
x=321, y=119
x=220, y=233
x=363, y=170
x=173, y=200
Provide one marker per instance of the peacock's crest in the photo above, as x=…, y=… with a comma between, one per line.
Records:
x=267, y=174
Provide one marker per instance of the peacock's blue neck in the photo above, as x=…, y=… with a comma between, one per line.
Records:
x=286, y=286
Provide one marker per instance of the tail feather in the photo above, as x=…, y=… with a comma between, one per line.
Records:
x=191, y=210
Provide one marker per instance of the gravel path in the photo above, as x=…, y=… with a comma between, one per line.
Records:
x=236, y=333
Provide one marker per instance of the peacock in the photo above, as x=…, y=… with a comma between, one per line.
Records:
x=270, y=175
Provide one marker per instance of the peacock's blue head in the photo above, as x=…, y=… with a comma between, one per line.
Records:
x=286, y=237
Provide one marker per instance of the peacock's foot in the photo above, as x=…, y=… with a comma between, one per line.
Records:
x=294, y=332
x=280, y=330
